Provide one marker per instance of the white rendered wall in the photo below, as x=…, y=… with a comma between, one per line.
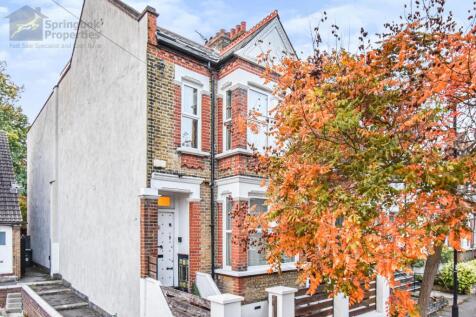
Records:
x=40, y=173
x=101, y=162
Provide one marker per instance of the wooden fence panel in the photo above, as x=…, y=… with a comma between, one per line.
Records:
x=369, y=303
x=316, y=305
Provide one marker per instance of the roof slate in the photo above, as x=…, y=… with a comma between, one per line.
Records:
x=9, y=207
x=174, y=39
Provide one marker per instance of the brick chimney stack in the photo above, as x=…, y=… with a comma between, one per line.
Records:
x=219, y=41
x=222, y=38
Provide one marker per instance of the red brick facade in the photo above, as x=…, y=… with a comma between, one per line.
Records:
x=16, y=238
x=148, y=234
x=195, y=245
x=239, y=254
x=164, y=138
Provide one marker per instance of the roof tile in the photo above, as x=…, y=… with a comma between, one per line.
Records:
x=9, y=207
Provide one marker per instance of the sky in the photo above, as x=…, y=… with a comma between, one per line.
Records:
x=36, y=66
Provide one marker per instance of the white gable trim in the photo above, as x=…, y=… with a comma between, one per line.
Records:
x=255, y=46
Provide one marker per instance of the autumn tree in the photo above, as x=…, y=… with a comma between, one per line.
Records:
x=15, y=123
x=372, y=168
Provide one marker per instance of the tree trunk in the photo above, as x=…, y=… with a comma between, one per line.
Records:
x=431, y=268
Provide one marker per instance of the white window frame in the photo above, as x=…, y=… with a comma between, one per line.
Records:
x=267, y=116
x=227, y=121
x=197, y=117
x=225, y=231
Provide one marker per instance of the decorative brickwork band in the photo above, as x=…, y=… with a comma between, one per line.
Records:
x=148, y=236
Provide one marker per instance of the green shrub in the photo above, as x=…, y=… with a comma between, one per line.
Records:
x=466, y=276
x=446, y=254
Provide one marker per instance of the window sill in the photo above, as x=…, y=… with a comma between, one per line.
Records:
x=233, y=152
x=192, y=151
x=257, y=270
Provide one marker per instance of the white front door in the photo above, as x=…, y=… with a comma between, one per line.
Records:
x=6, y=250
x=165, y=254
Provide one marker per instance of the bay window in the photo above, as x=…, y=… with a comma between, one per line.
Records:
x=190, y=133
x=256, y=249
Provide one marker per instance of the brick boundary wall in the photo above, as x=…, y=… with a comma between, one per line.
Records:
x=31, y=308
x=16, y=237
x=5, y=290
x=253, y=288
x=148, y=233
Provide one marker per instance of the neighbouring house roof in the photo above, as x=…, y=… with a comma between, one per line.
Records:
x=183, y=43
x=9, y=207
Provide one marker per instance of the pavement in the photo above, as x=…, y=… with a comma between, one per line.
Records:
x=466, y=305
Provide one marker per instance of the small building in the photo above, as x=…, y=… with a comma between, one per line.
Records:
x=10, y=216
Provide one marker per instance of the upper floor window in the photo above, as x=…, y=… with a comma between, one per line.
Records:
x=190, y=133
x=227, y=122
x=258, y=107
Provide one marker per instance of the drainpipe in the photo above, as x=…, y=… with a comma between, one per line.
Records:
x=212, y=167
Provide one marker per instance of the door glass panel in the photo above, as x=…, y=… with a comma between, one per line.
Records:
x=3, y=238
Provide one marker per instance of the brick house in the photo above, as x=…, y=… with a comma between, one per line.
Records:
x=10, y=216
x=136, y=162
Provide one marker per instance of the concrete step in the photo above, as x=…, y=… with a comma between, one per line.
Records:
x=14, y=309
x=71, y=306
x=13, y=303
x=8, y=278
x=14, y=295
x=54, y=291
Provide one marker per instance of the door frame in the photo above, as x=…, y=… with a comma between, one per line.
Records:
x=8, y=244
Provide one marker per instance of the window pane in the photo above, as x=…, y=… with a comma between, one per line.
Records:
x=258, y=206
x=228, y=248
x=189, y=132
x=189, y=103
x=257, y=138
x=256, y=254
x=3, y=238
x=228, y=105
x=228, y=209
x=287, y=259
x=227, y=138
x=258, y=102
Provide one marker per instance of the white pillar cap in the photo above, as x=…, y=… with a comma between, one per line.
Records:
x=281, y=290
x=224, y=299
